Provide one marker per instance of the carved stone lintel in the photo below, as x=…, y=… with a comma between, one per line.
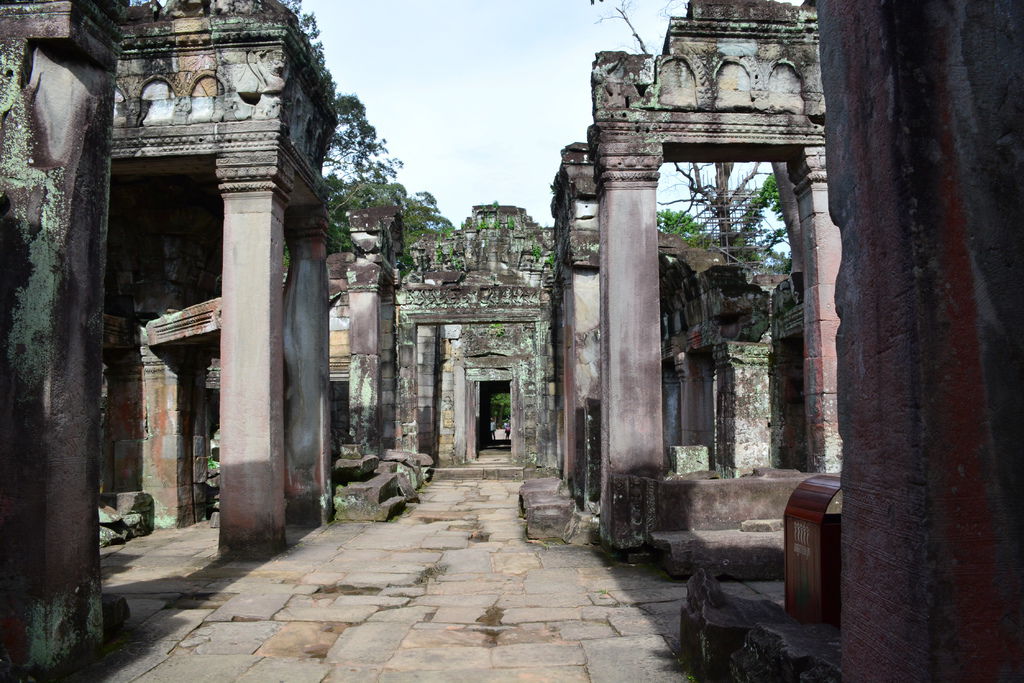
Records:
x=628, y=170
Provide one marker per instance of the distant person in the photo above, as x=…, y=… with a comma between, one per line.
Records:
x=506, y=429
x=494, y=430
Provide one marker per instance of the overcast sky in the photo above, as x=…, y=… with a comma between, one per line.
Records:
x=476, y=97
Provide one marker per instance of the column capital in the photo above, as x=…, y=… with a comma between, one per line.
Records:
x=809, y=170
x=628, y=170
x=257, y=172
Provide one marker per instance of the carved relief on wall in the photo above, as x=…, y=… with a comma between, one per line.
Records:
x=247, y=85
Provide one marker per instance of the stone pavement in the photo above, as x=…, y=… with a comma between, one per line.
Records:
x=451, y=591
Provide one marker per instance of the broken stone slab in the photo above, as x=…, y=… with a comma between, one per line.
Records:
x=761, y=525
x=693, y=476
x=713, y=625
x=733, y=553
x=346, y=470
x=789, y=653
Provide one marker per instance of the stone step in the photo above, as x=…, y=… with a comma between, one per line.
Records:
x=465, y=473
x=741, y=555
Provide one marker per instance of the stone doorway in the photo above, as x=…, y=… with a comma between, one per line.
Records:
x=495, y=407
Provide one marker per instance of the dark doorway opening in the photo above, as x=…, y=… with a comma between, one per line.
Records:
x=495, y=427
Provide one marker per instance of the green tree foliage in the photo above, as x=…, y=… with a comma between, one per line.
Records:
x=360, y=175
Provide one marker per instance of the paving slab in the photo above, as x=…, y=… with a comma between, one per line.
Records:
x=536, y=655
x=229, y=638
x=251, y=607
x=301, y=640
x=366, y=645
x=200, y=669
x=637, y=658
x=440, y=659
x=290, y=670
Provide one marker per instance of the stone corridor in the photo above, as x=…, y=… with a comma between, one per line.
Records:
x=450, y=591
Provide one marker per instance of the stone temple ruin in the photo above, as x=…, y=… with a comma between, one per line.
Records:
x=156, y=162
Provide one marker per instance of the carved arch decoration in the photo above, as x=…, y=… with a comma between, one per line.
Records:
x=157, y=102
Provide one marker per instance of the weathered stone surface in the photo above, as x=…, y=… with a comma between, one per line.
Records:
x=56, y=102
x=761, y=525
x=789, y=653
x=374, y=500
x=714, y=625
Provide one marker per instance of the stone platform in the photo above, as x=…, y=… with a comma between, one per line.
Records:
x=450, y=591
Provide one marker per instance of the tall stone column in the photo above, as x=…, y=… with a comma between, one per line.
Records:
x=744, y=410
x=822, y=254
x=926, y=150
x=365, y=418
x=631, y=424
x=252, y=518
x=125, y=421
x=306, y=370
x=172, y=381
x=56, y=105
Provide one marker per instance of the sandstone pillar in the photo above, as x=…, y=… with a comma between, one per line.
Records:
x=251, y=359
x=173, y=383
x=671, y=406
x=743, y=438
x=631, y=424
x=365, y=419
x=822, y=253
x=306, y=370
x=125, y=421
x=926, y=151
x=56, y=104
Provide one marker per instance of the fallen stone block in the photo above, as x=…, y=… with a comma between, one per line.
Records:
x=789, y=653
x=346, y=470
x=736, y=554
x=713, y=625
x=410, y=457
x=350, y=451
x=375, y=500
x=686, y=459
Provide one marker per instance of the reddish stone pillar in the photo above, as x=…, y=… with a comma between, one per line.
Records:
x=307, y=373
x=173, y=383
x=56, y=106
x=252, y=517
x=822, y=253
x=125, y=421
x=631, y=424
x=926, y=149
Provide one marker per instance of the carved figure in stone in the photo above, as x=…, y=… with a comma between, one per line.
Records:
x=177, y=9
x=261, y=88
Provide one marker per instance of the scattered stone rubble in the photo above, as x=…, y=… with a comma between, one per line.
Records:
x=372, y=489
